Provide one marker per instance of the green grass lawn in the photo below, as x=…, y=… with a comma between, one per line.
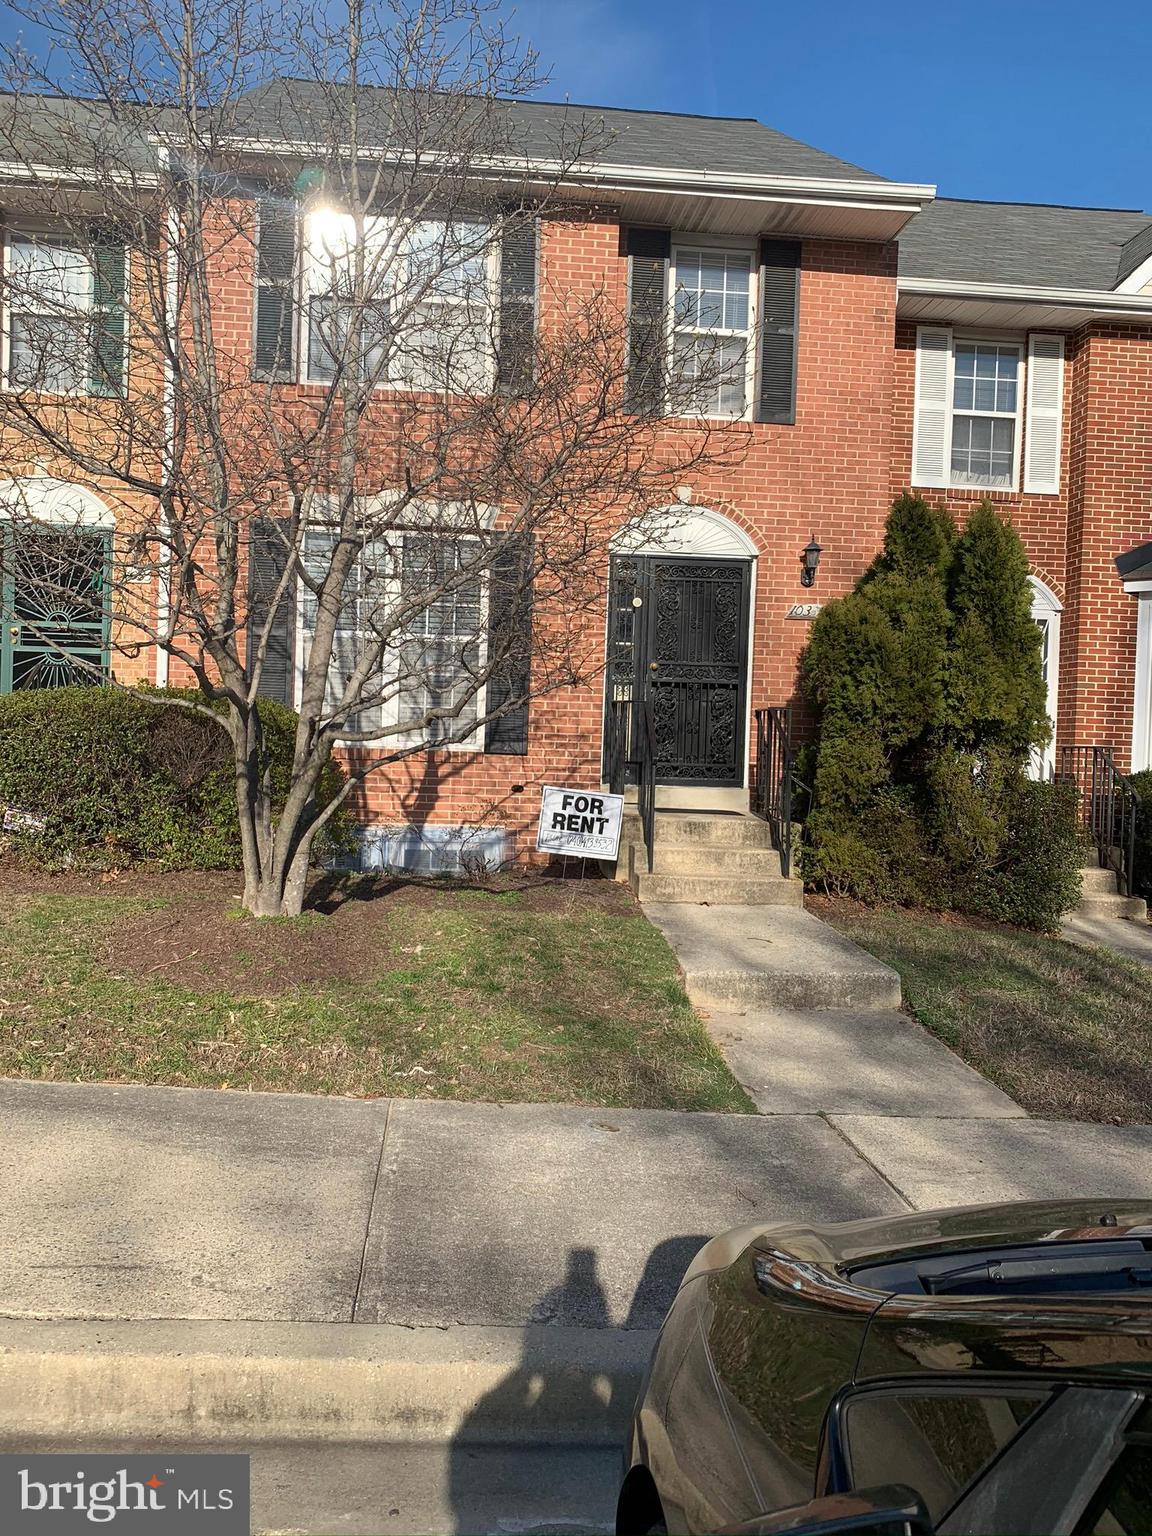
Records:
x=1066, y=1031
x=534, y=994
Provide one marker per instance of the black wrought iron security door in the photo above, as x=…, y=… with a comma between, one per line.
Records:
x=678, y=634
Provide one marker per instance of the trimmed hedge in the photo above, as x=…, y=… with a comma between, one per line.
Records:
x=128, y=778
x=1142, y=784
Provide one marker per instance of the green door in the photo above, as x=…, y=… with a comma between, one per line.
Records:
x=55, y=609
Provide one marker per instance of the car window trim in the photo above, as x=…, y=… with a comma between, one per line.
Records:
x=1033, y=1487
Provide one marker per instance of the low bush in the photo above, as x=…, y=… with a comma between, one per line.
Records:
x=1031, y=874
x=121, y=778
x=1142, y=784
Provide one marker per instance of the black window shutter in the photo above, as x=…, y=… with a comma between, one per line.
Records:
x=779, y=300
x=510, y=642
x=269, y=550
x=519, y=257
x=648, y=252
x=109, y=263
x=276, y=227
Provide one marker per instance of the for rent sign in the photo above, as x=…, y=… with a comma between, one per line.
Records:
x=579, y=823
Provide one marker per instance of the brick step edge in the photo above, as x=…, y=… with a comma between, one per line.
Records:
x=316, y=1382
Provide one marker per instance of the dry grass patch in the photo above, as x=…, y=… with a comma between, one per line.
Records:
x=531, y=991
x=1066, y=1031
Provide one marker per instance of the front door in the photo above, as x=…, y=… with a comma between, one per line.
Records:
x=678, y=635
x=55, y=625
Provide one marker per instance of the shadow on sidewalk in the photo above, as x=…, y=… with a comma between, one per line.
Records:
x=561, y=1416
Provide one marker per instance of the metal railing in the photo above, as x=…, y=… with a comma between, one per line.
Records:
x=630, y=745
x=1109, y=808
x=778, y=791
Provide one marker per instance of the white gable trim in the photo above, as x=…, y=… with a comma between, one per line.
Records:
x=55, y=503
x=684, y=530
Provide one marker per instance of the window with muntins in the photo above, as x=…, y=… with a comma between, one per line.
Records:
x=407, y=306
x=712, y=322
x=429, y=660
x=51, y=290
x=985, y=414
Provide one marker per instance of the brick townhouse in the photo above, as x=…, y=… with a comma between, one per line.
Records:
x=887, y=339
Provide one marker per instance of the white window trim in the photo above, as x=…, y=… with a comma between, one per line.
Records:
x=473, y=742
x=1048, y=607
x=690, y=242
x=1016, y=417
x=391, y=384
x=30, y=228
x=1142, y=696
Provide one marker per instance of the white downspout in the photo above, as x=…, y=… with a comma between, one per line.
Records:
x=163, y=572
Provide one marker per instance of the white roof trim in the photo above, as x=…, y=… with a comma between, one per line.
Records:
x=607, y=176
x=1138, y=279
x=1103, y=301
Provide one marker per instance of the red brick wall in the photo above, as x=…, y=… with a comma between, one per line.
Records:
x=1110, y=511
x=829, y=475
x=1104, y=507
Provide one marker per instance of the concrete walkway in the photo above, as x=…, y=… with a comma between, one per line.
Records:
x=1130, y=938
x=810, y=1023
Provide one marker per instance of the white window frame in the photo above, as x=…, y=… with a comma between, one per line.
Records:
x=960, y=338
x=391, y=707
x=1142, y=696
x=1047, y=609
x=32, y=230
x=394, y=382
x=717, y=246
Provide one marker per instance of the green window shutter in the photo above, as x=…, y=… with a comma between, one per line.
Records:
x=510, y=645
x=519, y=257
x=277, y=219
x=110, y=266
x=649, y=252
x=268, y=555
x=779, y=302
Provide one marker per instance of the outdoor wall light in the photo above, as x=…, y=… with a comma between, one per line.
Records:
x=809, y=560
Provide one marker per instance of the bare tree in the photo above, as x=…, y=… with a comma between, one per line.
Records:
x=280, y=313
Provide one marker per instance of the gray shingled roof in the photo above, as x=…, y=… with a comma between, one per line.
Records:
x=1023, y=243
x=740, y=145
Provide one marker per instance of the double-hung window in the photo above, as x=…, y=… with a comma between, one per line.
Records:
x=985, y=414
x=55, y=317
x=712, y=319
x=440, y=656
x=409, y=307
x=414, y=603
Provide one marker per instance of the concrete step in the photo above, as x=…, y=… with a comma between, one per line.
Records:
x=676, y=830
x=703, y=860
x=1097, y=881
x=1134, y=908
x=774, y=957
x=719, y=890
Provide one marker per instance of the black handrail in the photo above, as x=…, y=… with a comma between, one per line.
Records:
x=1109, y=808
x=777, y=784
x=630, y=754
x=646, y=778
x=616, y=745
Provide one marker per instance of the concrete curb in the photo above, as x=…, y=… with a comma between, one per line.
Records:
x=308, y=1382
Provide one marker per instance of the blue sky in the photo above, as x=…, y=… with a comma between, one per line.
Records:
x=1006, y=99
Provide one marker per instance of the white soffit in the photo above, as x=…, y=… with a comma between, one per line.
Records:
x=1012, y=308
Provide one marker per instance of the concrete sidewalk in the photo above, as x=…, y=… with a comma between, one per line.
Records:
x=279, y=1266
x=195, y=1203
